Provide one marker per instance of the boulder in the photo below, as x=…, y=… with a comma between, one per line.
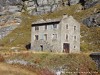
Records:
x=73, y=2
x=93, y=20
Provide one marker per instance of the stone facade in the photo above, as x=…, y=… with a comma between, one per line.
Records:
x=58, y=35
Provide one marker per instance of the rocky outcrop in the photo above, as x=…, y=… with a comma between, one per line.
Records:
x=73, y=2
x=42, y=6
x=93, y=20
x=38, y=7
x=10, y=6
x=45, y=9
x=11, y=2
x=90, y=3
x=9, y=20
x=7, y=24
x=6, y=30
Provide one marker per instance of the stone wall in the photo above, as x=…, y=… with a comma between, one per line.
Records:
x=56, y=37
x=51, y=45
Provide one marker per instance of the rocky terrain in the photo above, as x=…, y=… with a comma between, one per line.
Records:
x=93, y=20
x=8, y=24
x=16, y=17
x=88, y=16
x=47, y=6
x=35, y=7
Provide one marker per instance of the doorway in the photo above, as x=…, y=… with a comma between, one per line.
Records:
x=41, y=47
x=66, y=47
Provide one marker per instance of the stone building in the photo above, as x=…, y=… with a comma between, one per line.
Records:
x=58, y=35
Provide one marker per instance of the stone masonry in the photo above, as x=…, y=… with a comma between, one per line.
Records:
x=58, y=35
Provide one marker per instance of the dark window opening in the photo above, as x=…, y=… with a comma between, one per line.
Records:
x=55, y=26
x=74, y=46
x=74, y=27
x=36, y=37
x=36, y=28
x=67, y=26
x=45, y=36
x=66, y=37
x=41, y=47
x=45, y=27
x=74, y=37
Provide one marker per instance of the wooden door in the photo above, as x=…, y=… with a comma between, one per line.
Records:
x=66, y=47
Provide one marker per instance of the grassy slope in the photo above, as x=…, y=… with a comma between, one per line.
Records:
x=6, y=69
x=22, y=35
x=54, y=61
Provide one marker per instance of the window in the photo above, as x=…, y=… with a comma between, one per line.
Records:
x=55, y=26
x=67, y=26
x=74, y=46
x=54, y=36
x=45, y=27
x=74, y=37
x=41, y=47
x=45, y=36
x=36, y=37
x=37, y=28
x=66, y=37
x=74, y=27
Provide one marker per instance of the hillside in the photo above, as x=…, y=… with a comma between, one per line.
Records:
x=22, y=35
x=6, y=69
x=48, y=63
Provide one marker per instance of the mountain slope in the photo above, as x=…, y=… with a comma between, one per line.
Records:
x=22, y=35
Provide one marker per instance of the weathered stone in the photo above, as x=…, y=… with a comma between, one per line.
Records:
x=14, y=9
x=53, y=35
x=93, y=20
x=43, y=6
x=7, y=24
x=90, y=4
x=73, y=2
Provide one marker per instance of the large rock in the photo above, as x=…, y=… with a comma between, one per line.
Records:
x=44, y=6
x=73, y=2
x=93, y=20
x=90, y=3
x=13, y=2
x=45, y=9
x=43, y=2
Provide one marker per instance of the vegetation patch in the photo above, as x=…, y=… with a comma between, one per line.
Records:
x=55, y=61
